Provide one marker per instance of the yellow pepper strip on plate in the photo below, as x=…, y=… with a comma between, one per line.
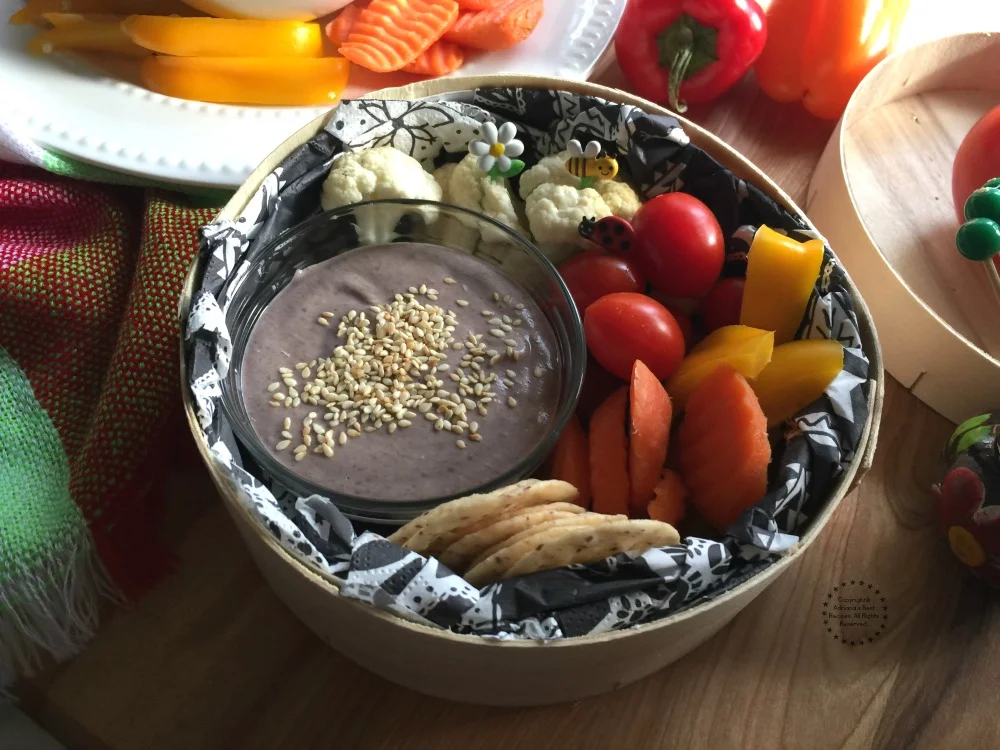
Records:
x=34, y=10
x=75, y=32
x=248, y=80
x=223, y=37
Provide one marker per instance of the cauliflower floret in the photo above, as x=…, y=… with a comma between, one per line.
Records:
x=621, y=198
x=448, y=229
x=550, y=170
x=378, y=174
x=470, y=188
x=555, y=212
x=442, y=175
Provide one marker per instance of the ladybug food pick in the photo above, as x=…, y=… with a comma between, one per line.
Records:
x=612, y=233
x=969, y=496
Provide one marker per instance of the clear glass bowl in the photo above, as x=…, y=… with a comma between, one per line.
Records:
x=273, y=265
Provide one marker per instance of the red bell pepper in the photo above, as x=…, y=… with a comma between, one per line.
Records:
x=695, y=49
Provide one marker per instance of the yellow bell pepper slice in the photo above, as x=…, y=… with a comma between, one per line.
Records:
x=223, y=37
x=798, y=374
x=75, y=32
x=248, y=80
x=34, y=10
x=781, y=273
x=746, y=350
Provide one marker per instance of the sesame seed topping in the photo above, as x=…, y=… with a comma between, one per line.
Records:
x=538, y=372
x=282, y=445
x=460, y=444
x=511, y=402
x=389, y=365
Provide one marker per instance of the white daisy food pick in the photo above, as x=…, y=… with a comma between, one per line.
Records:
x=588, y=164
x=496, y=149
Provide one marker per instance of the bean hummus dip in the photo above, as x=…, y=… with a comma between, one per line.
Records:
x=401, y=372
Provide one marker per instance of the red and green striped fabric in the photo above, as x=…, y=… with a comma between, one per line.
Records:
x=90, y=276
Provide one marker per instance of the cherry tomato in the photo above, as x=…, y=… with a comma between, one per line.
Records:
x=594, y=273
x=685, y=324
x=977, y=160
x=678, y=244
x=598, y=384
x=688, y=322
x=721, y=306
x=624, y=326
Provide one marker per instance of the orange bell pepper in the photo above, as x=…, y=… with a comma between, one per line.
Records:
x=264, y=81
x=818, y=51
x=78, y=32
x=223, y=37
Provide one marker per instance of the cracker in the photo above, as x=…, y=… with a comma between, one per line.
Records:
x=583, y=519
x=434, y=531
x=463, y=551
x=494, y=565
x=582, y=545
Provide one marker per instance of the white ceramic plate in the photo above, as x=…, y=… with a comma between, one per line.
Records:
x=117, y=125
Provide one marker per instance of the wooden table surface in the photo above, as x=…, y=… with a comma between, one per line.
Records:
x=212, y=659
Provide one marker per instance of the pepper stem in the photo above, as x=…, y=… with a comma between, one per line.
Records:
x=678, y=72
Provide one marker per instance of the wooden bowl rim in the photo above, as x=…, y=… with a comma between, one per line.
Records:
x=859, y=107
x=730, y=158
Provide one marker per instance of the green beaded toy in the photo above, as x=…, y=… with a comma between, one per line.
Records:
x=979, y=237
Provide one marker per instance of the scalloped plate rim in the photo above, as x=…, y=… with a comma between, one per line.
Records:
x=76, y=109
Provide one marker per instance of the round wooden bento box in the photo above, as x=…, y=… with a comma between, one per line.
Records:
x=514, y=673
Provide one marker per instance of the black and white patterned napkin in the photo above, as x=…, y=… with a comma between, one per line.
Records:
x=657, y=157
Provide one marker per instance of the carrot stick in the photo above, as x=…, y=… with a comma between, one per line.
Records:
x=390, y=34
x=440, y=59
x=571, y=461
x=500, y=27
x=650, y=414
x=669, y=504
x=609, y=482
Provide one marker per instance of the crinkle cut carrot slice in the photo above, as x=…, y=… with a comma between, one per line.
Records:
x=390, y=34
x=440, y=59
x=500, y=27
